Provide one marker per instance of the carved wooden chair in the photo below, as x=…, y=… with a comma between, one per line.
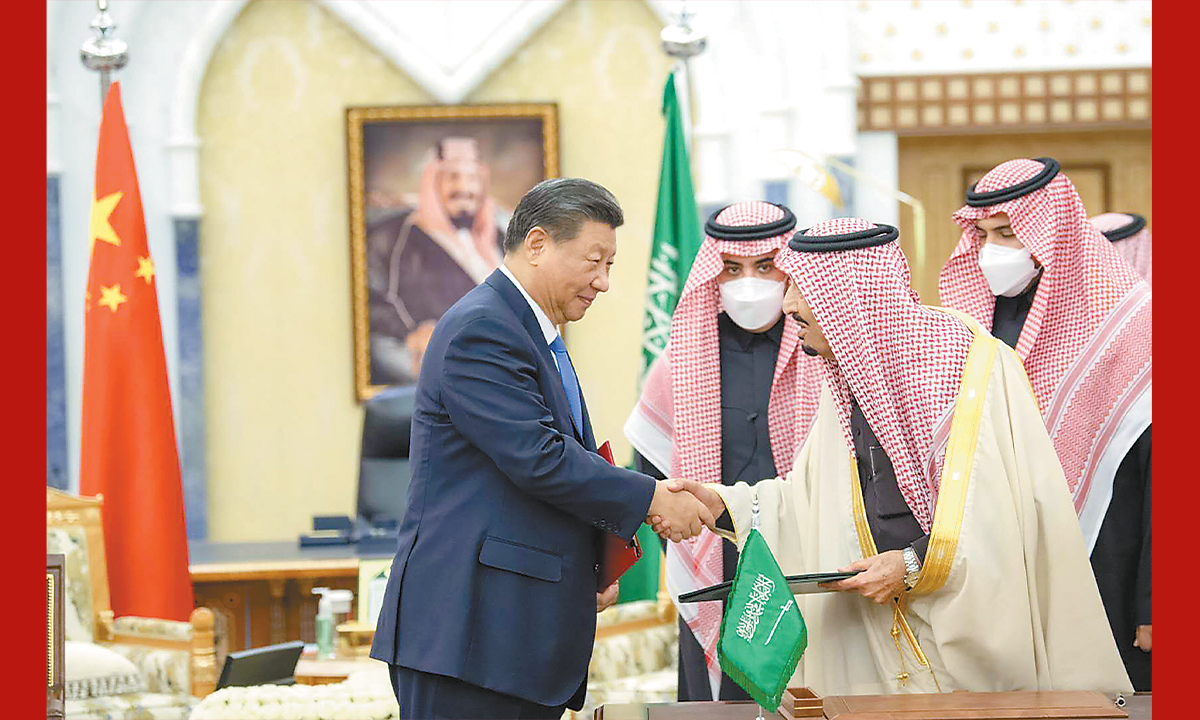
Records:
x=175, y=661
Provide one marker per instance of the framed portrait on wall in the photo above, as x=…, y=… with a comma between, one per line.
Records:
x=431, y=192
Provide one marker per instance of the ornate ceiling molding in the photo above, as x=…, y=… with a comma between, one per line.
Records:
x=448, y=48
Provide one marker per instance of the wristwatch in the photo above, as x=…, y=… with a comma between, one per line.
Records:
x=912, y=568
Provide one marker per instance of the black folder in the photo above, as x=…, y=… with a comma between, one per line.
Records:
x=270, y=665
x=798, y=584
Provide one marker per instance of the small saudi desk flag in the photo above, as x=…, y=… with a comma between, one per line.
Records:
x=763, y=633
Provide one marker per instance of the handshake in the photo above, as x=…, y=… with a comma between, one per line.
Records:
x=681, y=508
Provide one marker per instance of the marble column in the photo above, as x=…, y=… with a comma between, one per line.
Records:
x=191, y=378
x=56, y=373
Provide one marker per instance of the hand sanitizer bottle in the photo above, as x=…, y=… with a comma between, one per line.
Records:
x=324, y=624
x=331, y=610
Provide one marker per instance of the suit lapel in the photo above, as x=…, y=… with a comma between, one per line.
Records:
x=557, y=397
x=589, y=439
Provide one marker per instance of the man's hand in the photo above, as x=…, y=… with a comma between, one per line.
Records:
x=1143, y=638
x=679, y=514
x=711, y=501
x=881, y=579
x=608, y=598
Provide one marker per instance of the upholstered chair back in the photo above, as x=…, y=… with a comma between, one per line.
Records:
x=73, y=529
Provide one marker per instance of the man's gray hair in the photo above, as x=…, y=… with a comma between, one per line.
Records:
x=560, y=206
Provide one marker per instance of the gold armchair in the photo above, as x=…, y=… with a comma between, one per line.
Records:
x=176, y=660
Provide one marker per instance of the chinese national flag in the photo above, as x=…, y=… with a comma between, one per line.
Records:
x=128, y=441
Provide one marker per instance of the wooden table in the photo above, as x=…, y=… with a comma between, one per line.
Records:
x=264, y=589
x=1137, y=705
x=311, y=671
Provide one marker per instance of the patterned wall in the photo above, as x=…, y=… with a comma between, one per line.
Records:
x=1006, y=102
x=913, y=37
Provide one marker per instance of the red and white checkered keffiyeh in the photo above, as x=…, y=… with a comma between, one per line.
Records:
x=1135, y=248
x=901, y=361
x=681, y=398
x=1086, y=340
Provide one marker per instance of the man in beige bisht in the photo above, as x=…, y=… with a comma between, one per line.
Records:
x=928, y=469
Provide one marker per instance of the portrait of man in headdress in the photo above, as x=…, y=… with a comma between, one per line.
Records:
x=423, y=258
x=435, y=199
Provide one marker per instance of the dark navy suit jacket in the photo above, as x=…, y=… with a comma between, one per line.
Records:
x=494, y=581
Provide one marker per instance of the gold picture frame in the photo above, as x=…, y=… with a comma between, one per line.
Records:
x=371, y=571
x=398, y=156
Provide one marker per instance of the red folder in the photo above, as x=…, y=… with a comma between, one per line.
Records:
x=618, y=555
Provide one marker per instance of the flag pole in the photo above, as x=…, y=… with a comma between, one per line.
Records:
x=683, y=42
x=104, y=53
x=799, y=161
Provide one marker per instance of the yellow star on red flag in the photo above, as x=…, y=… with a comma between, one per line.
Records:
x=145, y=269
x=111, y=297
x=135, y=465
x=100, y=226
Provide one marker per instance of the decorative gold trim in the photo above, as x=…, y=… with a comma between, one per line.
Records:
x=49, y=630
x=356, y=118
x=866, y=543
x=960, y=458
x=976, y=328
x=67, y=511
x=119, y=638
x=732, y=537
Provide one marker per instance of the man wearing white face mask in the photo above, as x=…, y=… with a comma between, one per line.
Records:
x=1012, y=275
x=730, y=399
x=1033, y=268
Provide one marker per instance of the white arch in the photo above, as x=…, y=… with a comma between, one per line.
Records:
x=183, y=143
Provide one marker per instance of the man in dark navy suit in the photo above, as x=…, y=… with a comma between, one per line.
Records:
x=489, y=608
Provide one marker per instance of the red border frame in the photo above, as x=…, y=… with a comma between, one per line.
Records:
x=1174, y=128
x=24, y=361
x=24, y=366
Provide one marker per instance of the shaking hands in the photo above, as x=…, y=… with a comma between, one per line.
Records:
x=680, y=508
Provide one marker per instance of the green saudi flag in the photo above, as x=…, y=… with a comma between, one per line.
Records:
x=763, y=633
x=676, y=232
x=676, y=240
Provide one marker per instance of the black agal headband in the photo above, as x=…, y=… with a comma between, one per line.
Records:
x=1041, y=180
x=879, y=235
x=1133, y=228
x=718, y=231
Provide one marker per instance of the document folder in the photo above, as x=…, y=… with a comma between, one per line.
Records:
x=798, y=584
x=618, y=555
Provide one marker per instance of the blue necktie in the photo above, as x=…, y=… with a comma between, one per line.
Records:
x=570, y=383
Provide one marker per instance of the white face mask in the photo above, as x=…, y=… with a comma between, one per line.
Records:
x=753, y=303
x=1008, y=270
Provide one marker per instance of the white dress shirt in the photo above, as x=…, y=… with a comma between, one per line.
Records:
x=548, y=330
